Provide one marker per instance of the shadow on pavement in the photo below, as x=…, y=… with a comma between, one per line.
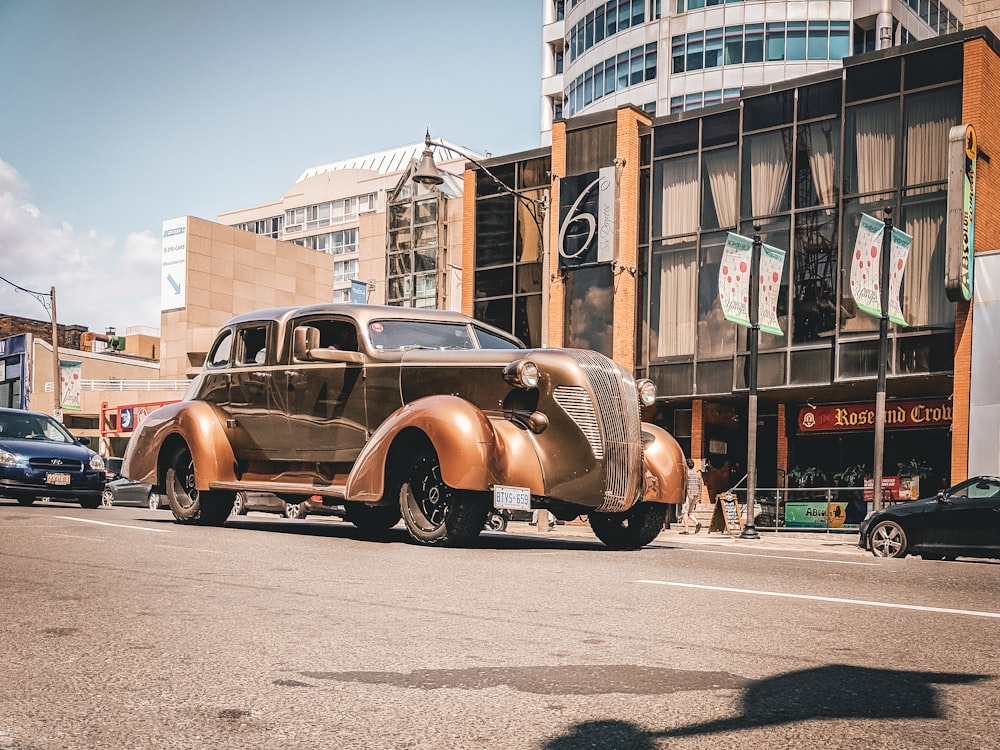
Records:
x=835, y=691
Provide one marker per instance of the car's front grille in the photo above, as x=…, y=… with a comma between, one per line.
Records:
x=616, y=419
x=56, y=464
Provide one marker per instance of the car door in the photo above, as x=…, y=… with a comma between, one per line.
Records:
x=255, y=400
x=970, y=516
x=325, y=398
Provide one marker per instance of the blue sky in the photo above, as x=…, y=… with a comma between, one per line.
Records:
x=118, y=114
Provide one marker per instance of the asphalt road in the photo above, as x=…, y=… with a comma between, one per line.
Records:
x=122, y=629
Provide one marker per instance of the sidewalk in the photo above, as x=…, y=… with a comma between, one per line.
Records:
x=837, y=542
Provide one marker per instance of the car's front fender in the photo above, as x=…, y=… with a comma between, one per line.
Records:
x=200, y=425
x=474, y=452
x=666, y=472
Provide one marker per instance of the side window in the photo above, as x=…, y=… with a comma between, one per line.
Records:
x=253, y=345
x=223, y=347
x=334, y=333
x=489, y=340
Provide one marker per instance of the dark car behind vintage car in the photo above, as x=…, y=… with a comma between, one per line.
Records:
x=425, y=415
x=40, y=458
x=120, y=490
x=963, y=521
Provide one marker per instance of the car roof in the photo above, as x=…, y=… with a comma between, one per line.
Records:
x=364, y=314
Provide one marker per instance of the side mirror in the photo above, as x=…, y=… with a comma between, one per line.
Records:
x=83, y=440
x=943, y=497
x=304, y=338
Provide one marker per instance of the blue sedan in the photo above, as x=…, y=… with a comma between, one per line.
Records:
x=40, y=458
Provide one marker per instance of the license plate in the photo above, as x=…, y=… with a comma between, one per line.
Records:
x=511, y=498
x=57, y=479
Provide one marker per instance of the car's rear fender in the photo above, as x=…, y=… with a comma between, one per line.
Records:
x=197, y=424
x=665, y=468
x=474, y=452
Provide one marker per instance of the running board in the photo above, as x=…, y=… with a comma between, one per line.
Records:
x=338, y=491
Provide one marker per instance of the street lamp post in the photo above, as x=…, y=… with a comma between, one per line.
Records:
x=749, y=530
x=883, y=353
x=50, y=308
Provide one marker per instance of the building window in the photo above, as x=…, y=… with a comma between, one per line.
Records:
x=345, y=270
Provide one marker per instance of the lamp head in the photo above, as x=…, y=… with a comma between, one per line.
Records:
x=427, y=172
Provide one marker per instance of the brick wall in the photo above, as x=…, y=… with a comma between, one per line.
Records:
x=69, y=335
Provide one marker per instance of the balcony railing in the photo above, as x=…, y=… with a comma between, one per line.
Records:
x=128, y=385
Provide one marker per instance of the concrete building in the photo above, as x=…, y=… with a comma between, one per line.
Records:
x=668, y=56
x=802, y=159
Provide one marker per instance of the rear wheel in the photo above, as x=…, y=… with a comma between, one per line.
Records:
x=633, y=529
x=153, y=500
x=240, y=504
x=371, y=518
x=888, y=540
x=188, y=503
x=434, y=513
x=295, y=510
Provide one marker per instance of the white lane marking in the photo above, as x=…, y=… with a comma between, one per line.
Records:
x=778, y=557
x=833, y=599
x=116, y=525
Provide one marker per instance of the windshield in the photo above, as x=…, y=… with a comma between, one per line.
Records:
x=28, y=426
x=419, y=334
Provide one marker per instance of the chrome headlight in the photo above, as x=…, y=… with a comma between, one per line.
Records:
x=647, y=392
x=96, y=463
x=7, y=458
x=522, y=374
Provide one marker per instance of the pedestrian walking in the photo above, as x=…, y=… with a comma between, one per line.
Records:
x=691, y=499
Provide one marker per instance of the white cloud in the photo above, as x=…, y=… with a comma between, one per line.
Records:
x=99, y=282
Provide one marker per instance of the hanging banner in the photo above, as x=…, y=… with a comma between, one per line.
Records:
x=734, y=283
x=866, y=268
x=734, y=279
x=70, y=382
x=772, y=263
x=961, y=222
x=898, y=252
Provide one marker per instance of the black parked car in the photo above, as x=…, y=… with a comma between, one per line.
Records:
x=963, y=520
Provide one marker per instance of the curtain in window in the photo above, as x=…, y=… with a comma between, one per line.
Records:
x=929, y=117
x=678, y=292
x=875, y=132
x=720, y=166
x=821, y=161
x=924, y=301
x=680, y=196
x=769, y=168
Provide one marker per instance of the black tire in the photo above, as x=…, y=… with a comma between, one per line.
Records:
x=434, y=513
x=153, y=500
x=496, y=521
x=295, y=510
x=26, y=501
x=372, y=519
x=187, y=502
x=107, y=498
x=632, y=529
x=90, y=503
x=888, y=539
x=240, y=504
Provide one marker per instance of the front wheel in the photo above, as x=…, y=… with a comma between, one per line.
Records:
x=187, y=502
x=888, y=540
x=26, y=501
x=153, y=500
x=92, y=502
x=633, y=529
x=107, y=499
x=496, y=521
x=434, y=513
x=240, y=504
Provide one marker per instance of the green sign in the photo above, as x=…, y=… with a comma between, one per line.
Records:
x=817, y=515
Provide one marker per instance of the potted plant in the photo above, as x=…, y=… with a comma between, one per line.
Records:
x=852, y=476
x=806, y=476
x=910, y=474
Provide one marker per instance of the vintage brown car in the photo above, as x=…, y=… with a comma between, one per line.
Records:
x=424, y=415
